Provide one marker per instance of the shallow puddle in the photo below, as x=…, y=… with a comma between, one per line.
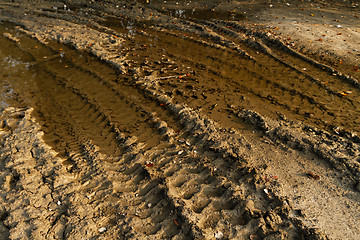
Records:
x=216, y=78
x=73, y=95
x=78, y=98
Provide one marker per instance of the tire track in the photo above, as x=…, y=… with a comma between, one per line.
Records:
x=188, y=26
x=196, y=183
x=149, y=211
x=272, y=89
x=100, y=95
x=208, y=184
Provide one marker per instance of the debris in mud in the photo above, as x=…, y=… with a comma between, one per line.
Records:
x=254, y=237
x=176, y=222
x=149, y=164
x=313, y=175
x=219, y=235
x=270, y=178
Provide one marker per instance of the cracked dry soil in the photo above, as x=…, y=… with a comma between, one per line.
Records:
x=179, y=120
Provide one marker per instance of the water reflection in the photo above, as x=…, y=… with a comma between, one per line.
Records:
x=130, y=28
x=12, y=62
x=15, y=70
x=122, y=25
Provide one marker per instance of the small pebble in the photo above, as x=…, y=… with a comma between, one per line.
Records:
x=219, y=235
x=102, y=229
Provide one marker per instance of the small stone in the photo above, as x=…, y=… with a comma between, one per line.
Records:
x=219, y=235
x=102, y=229
x=273, y=220
x=250, y=205
x=8, y=183
x=254, y=237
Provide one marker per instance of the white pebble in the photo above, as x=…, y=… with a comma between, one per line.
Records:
x=219, y=235
x=101, y=230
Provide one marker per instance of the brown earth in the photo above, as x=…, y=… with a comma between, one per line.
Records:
x=179, y=120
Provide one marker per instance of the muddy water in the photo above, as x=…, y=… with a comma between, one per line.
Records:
x=13, y=65
x=76, y=97
x=73, y=96
x=217, y=78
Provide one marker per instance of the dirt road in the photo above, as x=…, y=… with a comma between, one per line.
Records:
x=179, y=120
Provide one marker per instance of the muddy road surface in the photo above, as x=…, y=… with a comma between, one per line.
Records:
x=179, y=120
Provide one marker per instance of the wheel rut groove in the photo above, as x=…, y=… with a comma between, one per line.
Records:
x=166, y=128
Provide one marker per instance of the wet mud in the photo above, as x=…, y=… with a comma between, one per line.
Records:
x=140, y=120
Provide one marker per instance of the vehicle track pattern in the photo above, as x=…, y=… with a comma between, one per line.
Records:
x=146, y=142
